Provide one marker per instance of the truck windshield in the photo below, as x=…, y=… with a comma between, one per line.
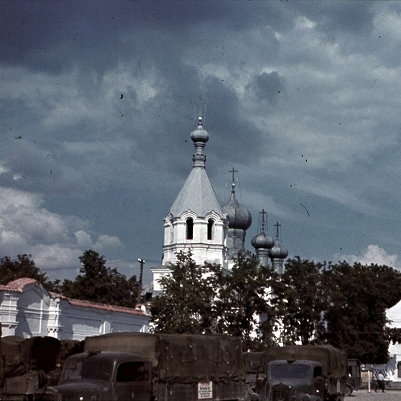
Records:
x=290, y=372
x=87, y=369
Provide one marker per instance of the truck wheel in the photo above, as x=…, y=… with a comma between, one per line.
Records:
x=348, y=390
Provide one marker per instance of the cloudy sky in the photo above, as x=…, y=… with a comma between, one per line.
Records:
x=97, y=103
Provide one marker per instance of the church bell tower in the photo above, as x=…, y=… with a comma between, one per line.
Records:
x=195, y=221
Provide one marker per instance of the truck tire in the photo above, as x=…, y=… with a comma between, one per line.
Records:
x=348, y=390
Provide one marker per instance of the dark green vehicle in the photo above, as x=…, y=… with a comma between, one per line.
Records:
x=155, y=367
x=299, y=373
x=27, y=366
x=295, y=380
x=104, y=376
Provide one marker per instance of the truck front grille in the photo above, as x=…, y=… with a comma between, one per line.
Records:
x=281, y=394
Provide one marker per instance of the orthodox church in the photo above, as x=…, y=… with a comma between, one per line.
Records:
x=215, y=233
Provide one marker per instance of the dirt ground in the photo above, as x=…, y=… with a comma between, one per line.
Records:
x=364, y=395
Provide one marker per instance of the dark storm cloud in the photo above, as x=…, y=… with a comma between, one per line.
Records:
x=335, y=17
x=235, y=139
x=93, y=34
x=101, y=95
x=169, y=122
x=267, y=86
x=33, y=169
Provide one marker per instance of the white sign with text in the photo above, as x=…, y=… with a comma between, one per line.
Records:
x=205, y=390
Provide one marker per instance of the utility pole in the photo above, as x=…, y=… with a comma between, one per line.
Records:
x=142, y=262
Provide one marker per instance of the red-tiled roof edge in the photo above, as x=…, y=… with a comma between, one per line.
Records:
x=17, y=285
x=89, y=304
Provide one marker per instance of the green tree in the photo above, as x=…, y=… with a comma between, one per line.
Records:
x=208, y=299
x=186, y=303
x=243, y=303
x=22, y=266
x=299, y=301
x=358, y=297
x=99, y=283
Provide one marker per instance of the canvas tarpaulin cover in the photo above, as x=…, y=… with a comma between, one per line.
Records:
x=333, y=360
x=180, y=358
x=22, y=354
x=254, y=362
x=138, y=343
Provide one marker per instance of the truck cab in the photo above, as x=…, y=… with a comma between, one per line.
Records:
x=295, y=380
x=105, y=376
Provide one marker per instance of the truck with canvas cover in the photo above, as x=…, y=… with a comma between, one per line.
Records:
x=155, y=367
x=305, y=373
x=26, y=366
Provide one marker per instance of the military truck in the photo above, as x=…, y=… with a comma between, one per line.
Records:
x=26, y=366
x=304, y=372
x=155, y=367
x=354, y=376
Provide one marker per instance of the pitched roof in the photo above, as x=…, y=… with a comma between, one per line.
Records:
x=19, y=285
x=196, y=195
x=95, y=305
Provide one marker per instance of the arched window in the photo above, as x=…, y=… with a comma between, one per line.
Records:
x=210, y=224
x=190, y=229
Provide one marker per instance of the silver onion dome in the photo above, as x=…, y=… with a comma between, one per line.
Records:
x=262, y=240
x=238, y=216
x=278, y=252
x=199, y=134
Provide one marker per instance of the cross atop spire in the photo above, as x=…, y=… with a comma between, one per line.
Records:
x=233, y=171
x=263, y=214
x=277, y=226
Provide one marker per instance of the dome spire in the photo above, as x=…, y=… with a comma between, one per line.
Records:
x=278, y=253
x=233, y=171
x=238, y=216
x=199, y=137
x=239, y=219
x=262, y=242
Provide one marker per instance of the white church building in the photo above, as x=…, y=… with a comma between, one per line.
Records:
x=196, y=222
x=212, y=232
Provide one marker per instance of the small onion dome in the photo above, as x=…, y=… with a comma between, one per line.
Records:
x=199, y=134
x=262, y=240
x=238, y=216
x=278, y=252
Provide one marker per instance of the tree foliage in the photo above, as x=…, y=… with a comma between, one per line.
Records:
x=22, y=266
x=99, y=283
x=96, y=282
x=186, y=304
x=300, y=301
x=208, y=299
x=358, y=297
x=311, y=302
x=242, y=303
x=338, y=304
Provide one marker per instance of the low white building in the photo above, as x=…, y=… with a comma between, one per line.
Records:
x=394, y=373
x=27, y=310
